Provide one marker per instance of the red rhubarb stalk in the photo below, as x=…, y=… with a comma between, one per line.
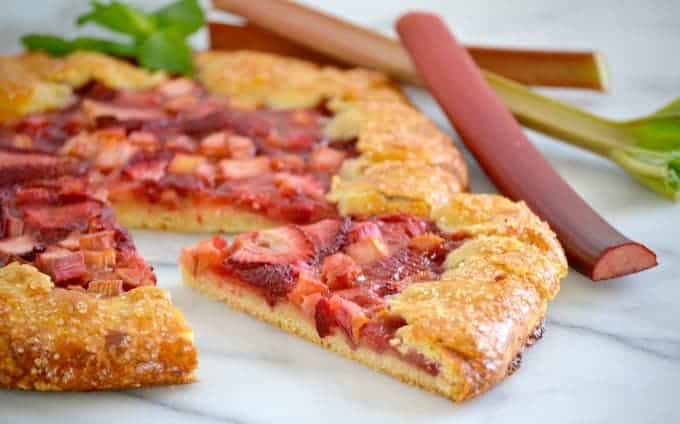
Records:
x=517, y=168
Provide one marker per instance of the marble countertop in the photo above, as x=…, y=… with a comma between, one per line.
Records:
x=612, y=350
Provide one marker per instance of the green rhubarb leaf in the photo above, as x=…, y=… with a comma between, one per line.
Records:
x=183, y=16
x=119, y=17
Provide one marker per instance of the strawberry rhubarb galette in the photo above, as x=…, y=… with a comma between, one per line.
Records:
x=361, y=240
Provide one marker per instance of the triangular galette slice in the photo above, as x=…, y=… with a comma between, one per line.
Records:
x=79, y=309
x=447, y=304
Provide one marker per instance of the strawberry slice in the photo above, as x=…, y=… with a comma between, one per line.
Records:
x=349, y=316
x=326, y=159
x=364, y=230
x=340, y=271
x=276, y=280
x=283, y=245
x=20, y=167
x=327, y=236
x=378, y=332
x=147, y=167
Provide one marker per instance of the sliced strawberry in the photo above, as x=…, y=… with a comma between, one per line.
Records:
x=398, y=229
x=402, y=264
x=324, y=318
x=363, y=230
x=181, y=143
x=378, y=332
x=143, y=99
x=326, y=159
x=362, y=295
x=231, y=169
x=328, y=235
x=215, y=145
x=18, y=246
x=72, y=217
x=62, y=265
x=177, y=87
x=340, y=271
x=146, y=140
x=367, y=250
x=349, y=316
x=283, y=245
x=276, y=280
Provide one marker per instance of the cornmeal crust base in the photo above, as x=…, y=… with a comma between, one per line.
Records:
x=54, y=339
x=189, y=217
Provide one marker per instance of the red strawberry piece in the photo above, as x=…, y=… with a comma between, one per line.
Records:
x=326, y=159
x=402, y=264
x=290, y=185
x=324, y=318
x=67, y=217
x=275, y=280
x=361, y=295
x=367, y=250
x=398, y=229
x=340, y=271
x=363, y=230
x=349, y=316
x=288, y=163
x=327, y=236
x=283, y=245
x=62, y=265
x=18, y=246
x=240, y=147
x=147, y=140
x=181, y=143
x=215, y=144
x=177, y=87
x=378, y=332
x=307, y=284
x=231, y=169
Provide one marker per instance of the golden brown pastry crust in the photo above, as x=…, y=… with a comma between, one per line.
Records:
x=57, y=339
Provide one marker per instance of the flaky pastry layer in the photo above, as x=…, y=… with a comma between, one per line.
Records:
x=56, y=339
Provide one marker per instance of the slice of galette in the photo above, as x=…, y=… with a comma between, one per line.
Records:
x=79, y=309
x=447, y=303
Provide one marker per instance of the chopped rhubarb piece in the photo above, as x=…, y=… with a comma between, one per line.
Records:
x=133, y=277
x=182, y=103
x=206, y=171
x=340, y=271
x=425, y=242
x=240, y=147
x=13, y=226
x=215, y=145
x=72, y=189
x=288, y=163
x=326, y=159
x=149, y=169
x=17, y=246
x=100, y=259
x=21, y=167
x=181, y=143
x=62, y=265
x=145, y=140
x=98, y=241
x=185, y=164
x=362, y=296
x=114, y=155
x=243, y=168
x=67, y=217
x=105, y=287
x=306, y=285
x=367, y=250
x=282, y=245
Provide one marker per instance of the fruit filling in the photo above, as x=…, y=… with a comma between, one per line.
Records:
x=178, y=139
x=68, y=233
x=337, y=272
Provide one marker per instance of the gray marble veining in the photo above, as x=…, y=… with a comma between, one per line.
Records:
x=611, y=352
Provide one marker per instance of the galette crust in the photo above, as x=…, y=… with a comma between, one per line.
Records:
x=57, y=339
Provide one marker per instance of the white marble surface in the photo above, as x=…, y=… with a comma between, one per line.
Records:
x=611, y=351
